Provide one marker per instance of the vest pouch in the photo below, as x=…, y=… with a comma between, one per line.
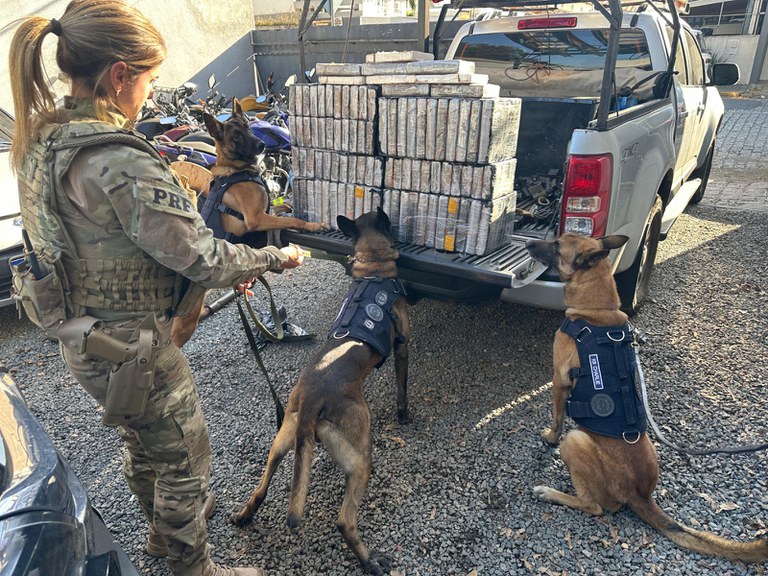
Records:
x=130, y=383
x=42, y=299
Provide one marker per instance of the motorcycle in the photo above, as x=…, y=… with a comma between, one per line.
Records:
x=272, y=129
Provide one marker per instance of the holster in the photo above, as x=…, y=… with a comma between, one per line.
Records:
x=131, y=352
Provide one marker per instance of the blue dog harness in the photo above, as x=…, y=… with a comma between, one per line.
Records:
x=366, y=314
x=214, y=208
x=605, y=397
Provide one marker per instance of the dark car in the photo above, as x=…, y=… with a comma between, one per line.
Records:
x=47, y=524
x=10, y=217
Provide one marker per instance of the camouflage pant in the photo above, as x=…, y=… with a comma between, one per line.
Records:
x=168, y=453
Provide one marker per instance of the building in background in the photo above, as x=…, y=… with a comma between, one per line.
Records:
x=735, y=32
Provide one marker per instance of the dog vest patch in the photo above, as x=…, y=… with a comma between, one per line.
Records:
x=594, y=366
x=605, y=398
x=366, y=313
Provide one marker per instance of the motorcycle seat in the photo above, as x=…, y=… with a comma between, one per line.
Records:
x=199, y=146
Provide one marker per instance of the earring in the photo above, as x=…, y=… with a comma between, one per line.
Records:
x=117, y=92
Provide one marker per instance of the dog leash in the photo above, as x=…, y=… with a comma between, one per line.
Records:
x=280, y=333
x=660, y=436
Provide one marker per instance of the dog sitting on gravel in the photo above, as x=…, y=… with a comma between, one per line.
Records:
x=327, y=403
x=611, y=460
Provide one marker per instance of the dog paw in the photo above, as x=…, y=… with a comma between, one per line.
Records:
x=542, y=492
x=403, y=417
x=239, y=518
x=550, y=436
x=377, y=564
x=316, y=227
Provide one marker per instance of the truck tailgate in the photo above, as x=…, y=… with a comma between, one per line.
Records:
x=508, y=267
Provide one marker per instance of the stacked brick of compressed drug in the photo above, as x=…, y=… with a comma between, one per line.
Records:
x=333, y=134
x=447, y=144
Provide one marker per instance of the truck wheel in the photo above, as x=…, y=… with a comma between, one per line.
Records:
x=632, y=284
x=703, y=173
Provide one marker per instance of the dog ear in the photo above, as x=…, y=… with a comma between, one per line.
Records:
x=615, y=241
x=588, y=259
x=214, y=127
x=237, y=107
x=347, y=226
x=382, y=220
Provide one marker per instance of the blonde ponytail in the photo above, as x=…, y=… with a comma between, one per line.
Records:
x=93, y=35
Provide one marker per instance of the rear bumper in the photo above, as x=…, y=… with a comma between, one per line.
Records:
x=540, y=293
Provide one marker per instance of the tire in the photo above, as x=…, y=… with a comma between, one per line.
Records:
x=632, y=284
x=703, y=173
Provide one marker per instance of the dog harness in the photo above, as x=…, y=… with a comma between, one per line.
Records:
x=366, y=314
x=605, y=398
x=214, y=208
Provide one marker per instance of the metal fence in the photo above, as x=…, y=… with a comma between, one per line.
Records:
x=277, y=51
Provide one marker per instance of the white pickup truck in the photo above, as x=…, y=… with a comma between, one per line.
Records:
x=617, y=134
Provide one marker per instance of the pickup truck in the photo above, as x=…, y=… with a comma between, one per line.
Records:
x=617, y=135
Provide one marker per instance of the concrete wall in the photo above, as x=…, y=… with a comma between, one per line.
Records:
x=197, y=32
x=265, y=7
x=738, y=49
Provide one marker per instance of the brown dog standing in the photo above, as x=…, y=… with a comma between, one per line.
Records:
x=327, y=403
x=607, y=472
x=245, y=198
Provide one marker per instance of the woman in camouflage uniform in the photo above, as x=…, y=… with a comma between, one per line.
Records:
x=110, y=223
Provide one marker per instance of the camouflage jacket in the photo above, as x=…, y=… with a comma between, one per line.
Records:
x=120, y=203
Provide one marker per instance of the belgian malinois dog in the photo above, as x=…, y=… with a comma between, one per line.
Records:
x=609, y=472
x=327, y=403
x=236, y=152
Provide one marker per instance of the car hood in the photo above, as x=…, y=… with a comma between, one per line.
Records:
x=9, y=205
x=9, y=195
x=33, y=475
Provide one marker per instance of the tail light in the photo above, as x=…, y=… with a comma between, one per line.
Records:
x=586, y=194
x=542, y=23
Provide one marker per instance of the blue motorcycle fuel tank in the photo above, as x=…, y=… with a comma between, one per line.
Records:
x=272, y=136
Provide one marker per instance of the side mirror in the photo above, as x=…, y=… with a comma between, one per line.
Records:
x=725, y=73
x=291, y=80
x=211, y=81
x=261, y=99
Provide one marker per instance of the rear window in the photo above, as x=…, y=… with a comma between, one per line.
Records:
x=556, y=49
x=560, y=63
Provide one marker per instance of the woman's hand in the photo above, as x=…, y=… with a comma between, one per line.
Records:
x=295, y=257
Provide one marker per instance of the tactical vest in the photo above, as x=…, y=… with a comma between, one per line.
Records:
x=132, y=283
x=214, y=207
x=605, y=398
x=366, y=313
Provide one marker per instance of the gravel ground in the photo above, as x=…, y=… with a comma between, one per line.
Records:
x=451, y=492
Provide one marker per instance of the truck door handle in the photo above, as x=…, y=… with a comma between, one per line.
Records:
x=701, y=107
x=684, y=114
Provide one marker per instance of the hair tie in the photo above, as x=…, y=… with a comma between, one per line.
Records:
x=55, y=26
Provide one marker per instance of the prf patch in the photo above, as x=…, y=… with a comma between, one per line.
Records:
x=168, y=200
x=597, y=376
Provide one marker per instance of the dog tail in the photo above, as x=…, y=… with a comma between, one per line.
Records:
x=697, y=540
x=303, y=452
